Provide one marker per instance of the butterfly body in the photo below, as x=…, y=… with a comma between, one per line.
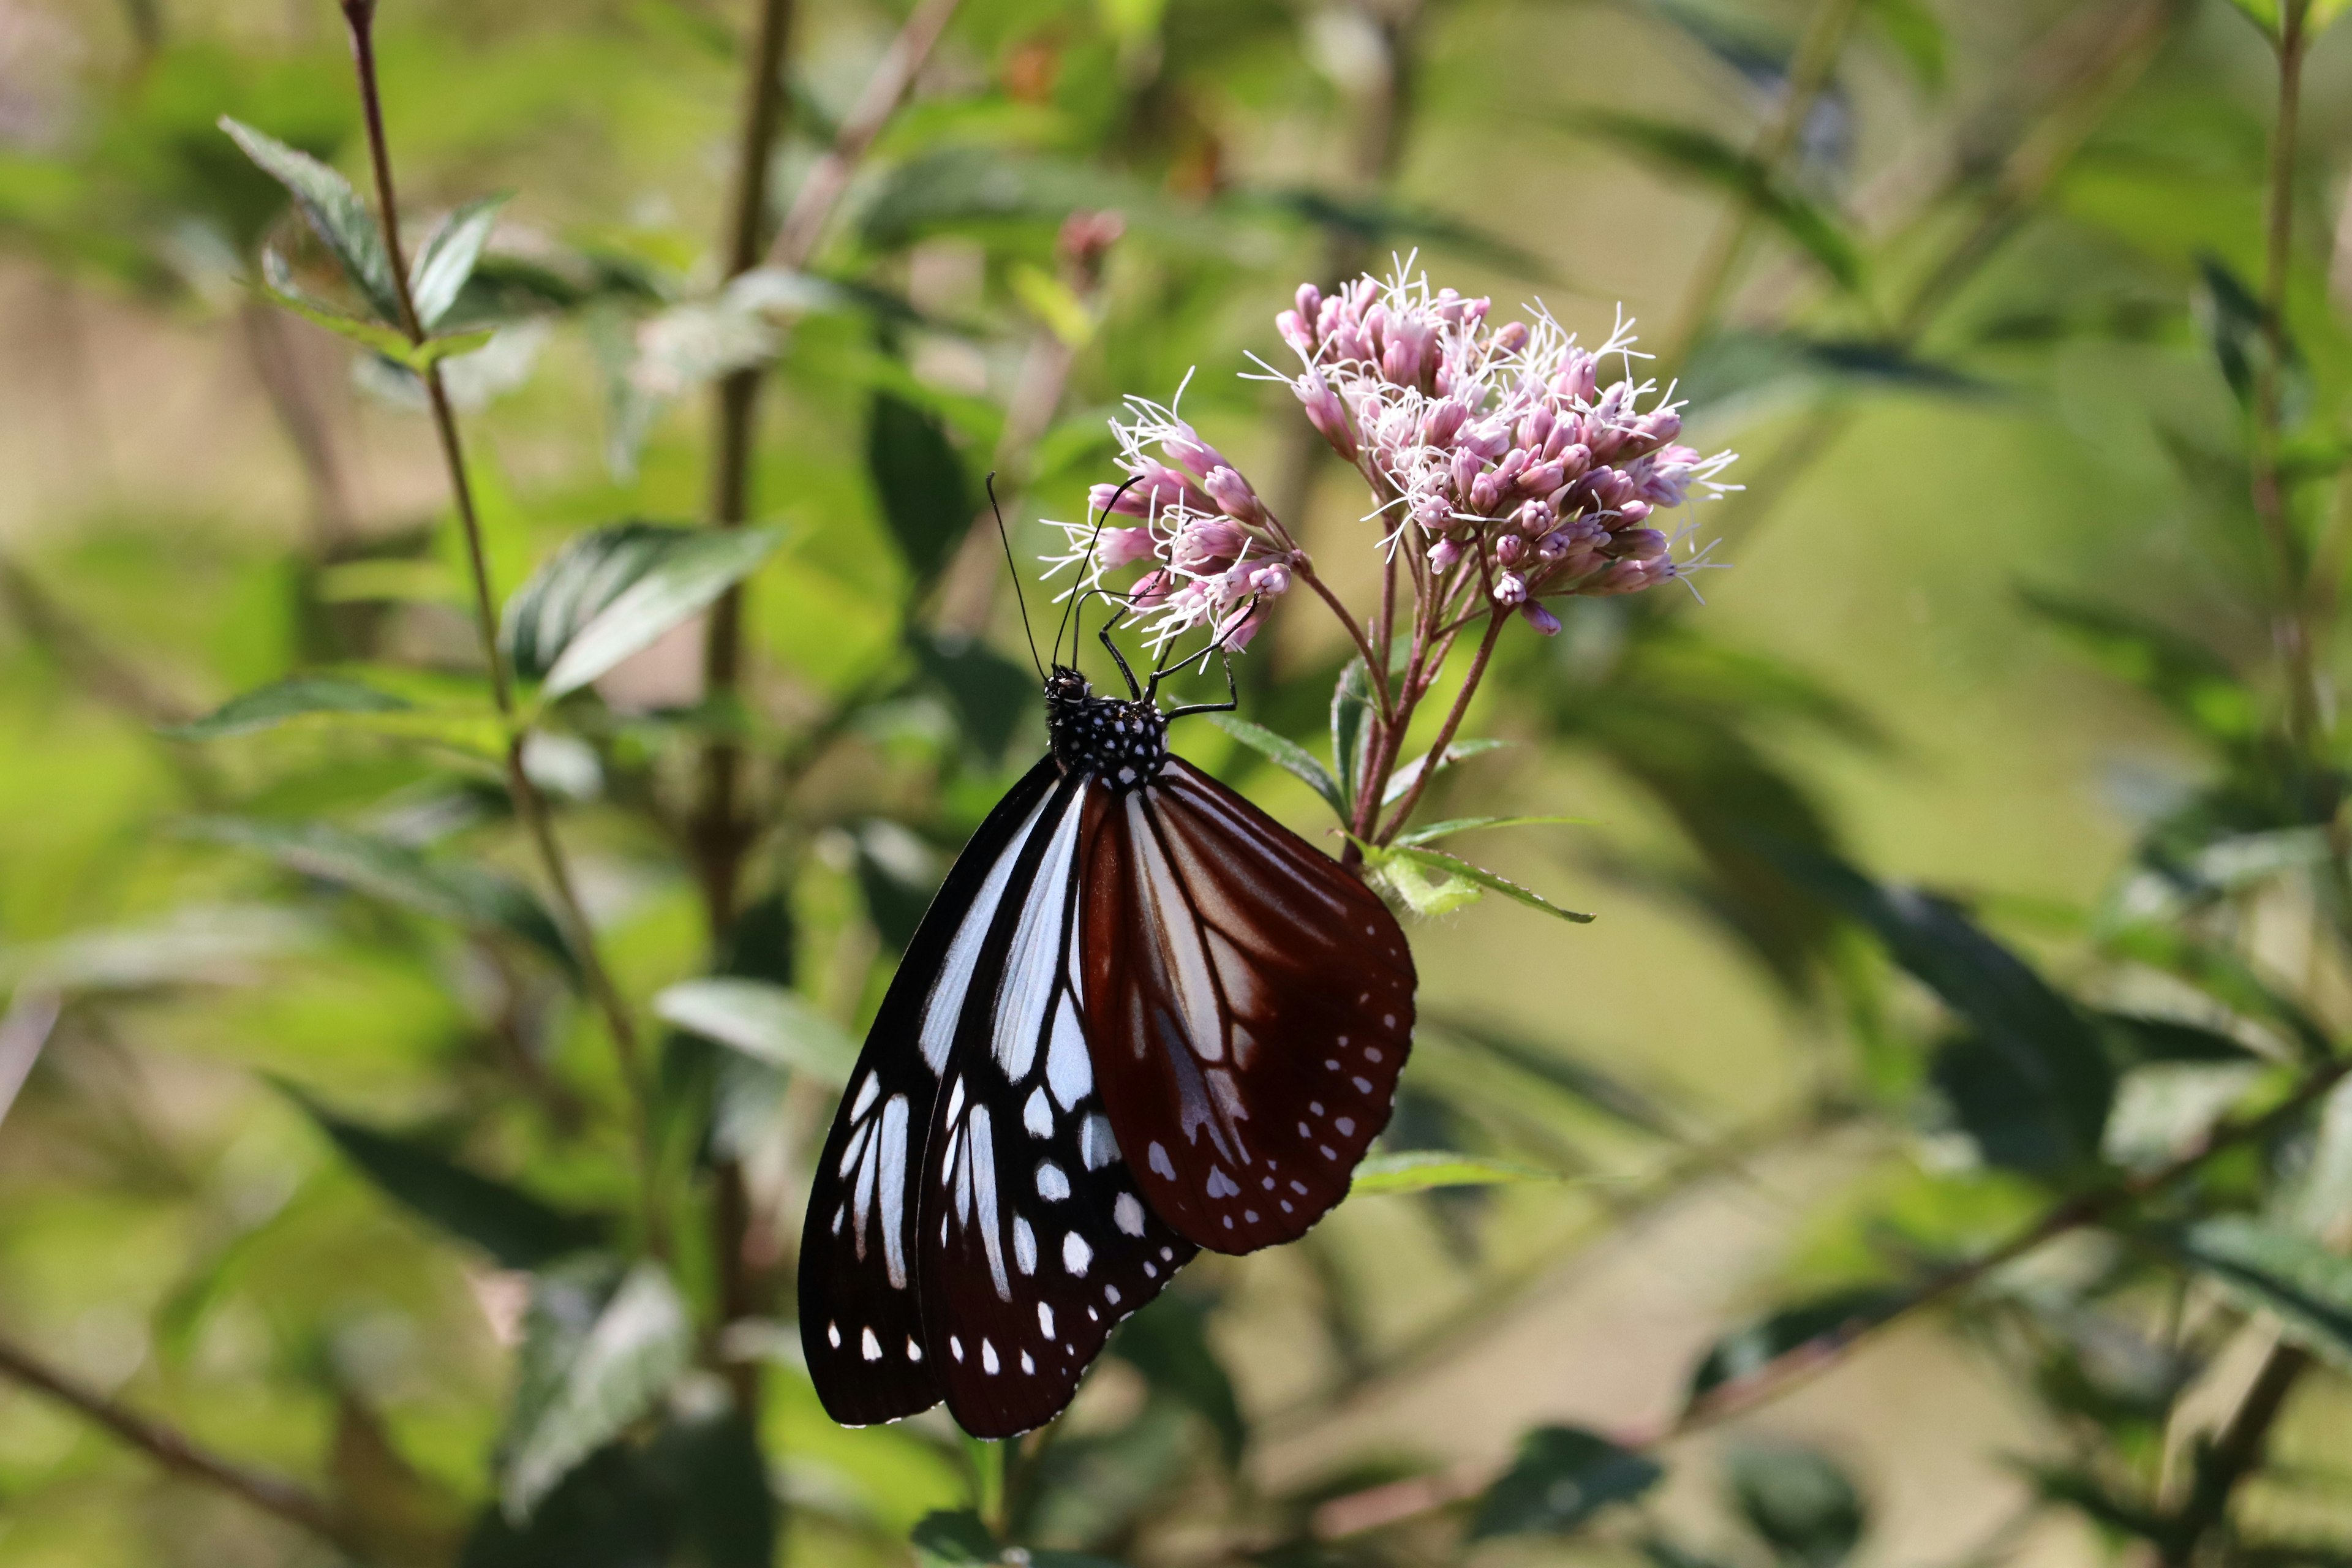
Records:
x=1141, y=1017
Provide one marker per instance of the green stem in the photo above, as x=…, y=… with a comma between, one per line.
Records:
x=2235, y=1454
x=530, y=807
x=2292, y=627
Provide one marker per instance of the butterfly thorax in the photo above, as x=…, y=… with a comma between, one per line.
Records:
x=1124, y=744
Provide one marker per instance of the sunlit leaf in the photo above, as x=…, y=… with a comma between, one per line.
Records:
x=445, y=264
x=1800, y=1500
x=333, y=211
x=465, y=895
x=1287, y=753
x=389, y=341
x=302, y=696
x=761, y=1020
x=1814, y=1327
x=1421, y=1170
x=2263, y=14
x=919, y=478
x=517, y=1229
x=2284, y=1272
x=597, y=1384
x=613, y=591
x=1437, y=830
x=1437, y=859
x=1561, y=1476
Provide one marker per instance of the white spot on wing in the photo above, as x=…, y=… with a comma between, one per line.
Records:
x=988, y=1362
x=1096, y=1147
x=870, y=1347
x=1127, y=1214
x=1037, y=1116
x=1025, y=1245
x=1067, y=1072
x=833, y=1335
x=1161, y=1163
x=1076, y=1254
x=914, y=1351
x=856, y=1147
x=1052, y=1185
x=1045, y=1319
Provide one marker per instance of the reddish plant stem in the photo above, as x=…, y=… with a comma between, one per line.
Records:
x=181, y=1455
x=1436, y=756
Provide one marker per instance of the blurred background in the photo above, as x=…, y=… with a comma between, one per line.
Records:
x=1951, y=278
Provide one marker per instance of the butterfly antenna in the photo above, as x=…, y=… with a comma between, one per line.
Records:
x=1233, y=623
x=1092, y=540
x=1018, y=597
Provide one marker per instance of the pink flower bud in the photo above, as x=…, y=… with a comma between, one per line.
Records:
x=1511, y=588
x=1536, y=428
x=1601, y=437
x=1578, y=379
x=1238, y=637
x=1325, y=414
x=1543, y=620
x=1121, y=547
x=1661, y=427
x=1439, y=425
x=1162, y=489
x=1533, y=518
x=1271, y=581
x=1432, y=514
x=1233, y=495
x=1510, y=550
x=1188, y=451
x=1294, y=333
x=1484, y=493
x=1542, y=479
x=1575, y=458
x=1634, y=510
x=1150, y=590
x=1126, y=500
x=1206, y=544
x=1309, y=302
x=1637, y=544
x=1444, y=554
x=1511, y=337
x=1625, y=577
x=1466, y=466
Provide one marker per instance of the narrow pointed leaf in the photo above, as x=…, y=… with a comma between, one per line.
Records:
x=303, y=696
x=1437, y=859
x=2284, y=1272
x=918, y=477
x=1703, y=155
x=445, y=264
x=333, y=211
x=1437, y=830
x=614, y=1376
x=1351, y=713
x=763, y=1020
x=613, y=592
x=1562, y=1477
x=1287, y=753
x=1800, y=1500
x=1421, y=1170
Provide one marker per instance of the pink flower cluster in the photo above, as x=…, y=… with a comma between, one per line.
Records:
x=1497, y=447
x=1218, y=558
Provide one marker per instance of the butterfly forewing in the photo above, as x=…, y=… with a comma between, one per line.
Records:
x=1035, y=1242
x=1251, y=1005
x=862, y=1326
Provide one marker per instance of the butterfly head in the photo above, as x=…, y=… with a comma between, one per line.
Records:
x=1124, y=744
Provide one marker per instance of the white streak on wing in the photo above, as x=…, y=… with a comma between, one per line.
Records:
x=856, y=1147
x=1096, y=1147
x=1067, y=1072
x=893, y=1190
x=1025, y=1245
x=963, y=1187
x=1032, y=965
x=863, y=1203
x=944, y=1006
x=1180, y=937
x=982, y=1153
x=866, y=1093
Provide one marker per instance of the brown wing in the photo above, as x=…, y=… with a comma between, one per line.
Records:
x=1249, y=1004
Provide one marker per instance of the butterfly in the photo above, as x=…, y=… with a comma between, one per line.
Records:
x=1141, y=1018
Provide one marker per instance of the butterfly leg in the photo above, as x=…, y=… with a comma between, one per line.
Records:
x=1233, y=694
x=1133, y=691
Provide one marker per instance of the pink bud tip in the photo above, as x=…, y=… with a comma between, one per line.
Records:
x=1123, y=547
x=1511, y=588
x=1543, y=620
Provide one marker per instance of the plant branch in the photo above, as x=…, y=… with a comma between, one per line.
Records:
x=530, y=807
x=2236, y=1454
x=2292, y=628
x=178, y=1453
x=1808, y=72
x=1405, y=807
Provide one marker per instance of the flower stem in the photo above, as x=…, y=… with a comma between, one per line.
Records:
x=530, y=807
x=2292, y=628
x=1403, y=813
x=181, y=1455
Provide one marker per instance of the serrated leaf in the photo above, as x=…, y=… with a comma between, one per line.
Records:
x=1168, y=1343
x=2271, y=1269
x=613, y=1377
x=1561, y=1476
x=1425, y=894
x=1703, y=155
x=518, y=1230
x=2046, y=1050
x=1437, y=830
x=389, y=341
x=763, y=1020
x=1421, y=1170
x=1820, y=1324
x=333, y=211
x=613, y=591
x=1287, y=753
x=918, y=478
x=1800, y=1500
x=1402, y=778
x=465, y=895
x=445, y=264
x=301, y=696
x=1453, y=865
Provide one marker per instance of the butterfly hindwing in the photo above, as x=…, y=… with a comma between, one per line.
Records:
x=861, y=1314
x=1035, y=1241
x=1251, y=1004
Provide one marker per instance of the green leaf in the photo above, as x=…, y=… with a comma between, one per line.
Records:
x=918, y=477
x=1437, y=830
x=2263, y=14
x=1460, y=751
x=2266, y=1269
x=593, y=1385
x=1819, y=1325
x=613, y=591
x=302, y=696
x=1287, y=753
x=1437, y=859
x=2047, y=1051
x=518, y=1230
x=1912, y=29
x=1425, y=894
x=389, y=341
x=465, y=895
x=962, y=187
x=2237, y=324
x=1561, y=1479
x=991, y=694
x=333, y=211
x=1168, y=1343
x=446, y=265
x=1800, y=1500
x=2323, y=13
x=1419, y=1170
x=1580, y=1079
x=765, y=1021
x=954, y=1539
x=1351, y=714
x=1703, y=155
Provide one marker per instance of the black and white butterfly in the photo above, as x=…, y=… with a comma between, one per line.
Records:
x=1141, y=1018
